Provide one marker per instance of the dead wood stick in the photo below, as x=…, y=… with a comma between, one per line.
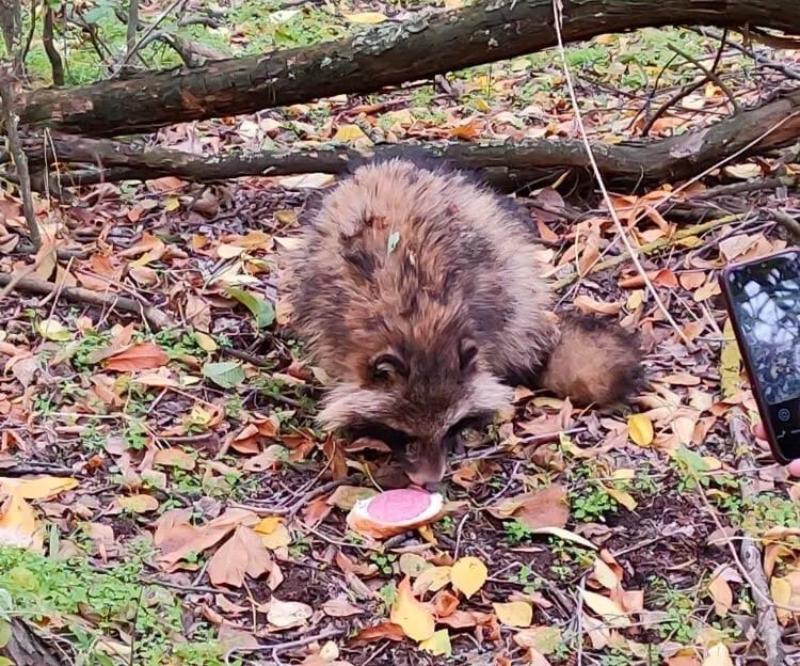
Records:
x=649, y=248
x=711, y=75
x=769, y=631
x=155, y=317
x=10, y=121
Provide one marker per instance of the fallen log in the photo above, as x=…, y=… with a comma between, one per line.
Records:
x=506, y=164
x=388, y=54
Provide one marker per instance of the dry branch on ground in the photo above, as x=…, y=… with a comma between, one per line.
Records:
x=386, y=55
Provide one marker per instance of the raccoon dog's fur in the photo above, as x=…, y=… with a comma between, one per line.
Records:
x=419, y=293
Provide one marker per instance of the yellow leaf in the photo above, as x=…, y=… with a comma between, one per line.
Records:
x=606, y=608
x=18, y=525
x=729, y=362
x=137, y=503
x=366, y=18
x=640, y=429
x=52, y=329
x=350, y=134
x=722, y=594
x=172, y=203
x=718, y=655
x=514, y=613
x=229, y=251
x=482, y=105
x=205, y=342
x=42, y=487
x=414, y=618
x=544, y=640
x=635, y=299
x=433, y=579
x=626, y=499
x=468, y=575
x=273, y=532
x=438, y=644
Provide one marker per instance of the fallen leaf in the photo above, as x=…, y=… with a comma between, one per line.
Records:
x=542, y=639
x=174, y=457
x=718, y=655
x=433, y=579
x=730, y=362
x=438, y=644
x=468, y=574
x=345, y=497
x=605, y=575
x=385, y=630
x=274, y=534
x=142, y=356
x=589, y=305
x=18, y=524
x=514, y=613
x=413, y=617
x=640, y=429
x=262, y=310
x=340, y=607
x=366, y=18
x=622, y=497
x=610, y=611
x=566, y=535
x=225, y=374
x=242, y=553
x=444, y=603
x=136, y=503
x=286, y=614
x=41, y=487
x=52, y=329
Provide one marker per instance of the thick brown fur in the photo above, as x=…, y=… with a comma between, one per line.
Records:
x=419, y=293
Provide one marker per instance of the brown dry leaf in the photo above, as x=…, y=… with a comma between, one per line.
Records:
x=174, y=458
x=383, y=631
x=414, y=617
x=544, y=640
x=340, y=607
x=242, y=553
x=605, y=575
x=444, y=603
x=192, y=539
x=544, y=508
x=691, y=280
x=142, y=356
x=459, y=619
x=588, y=305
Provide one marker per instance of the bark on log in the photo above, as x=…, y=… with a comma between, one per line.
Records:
x=385, y=55
x=506, y=164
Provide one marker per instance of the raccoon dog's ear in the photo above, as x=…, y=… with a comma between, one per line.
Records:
x=386, y=366
x=467, y=354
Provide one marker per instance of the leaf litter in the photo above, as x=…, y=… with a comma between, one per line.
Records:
x=177, y=457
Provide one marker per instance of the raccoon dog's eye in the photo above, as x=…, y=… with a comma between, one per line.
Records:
x=467, y=353
x=395, y=439
x=467, y=423
x=385, y=366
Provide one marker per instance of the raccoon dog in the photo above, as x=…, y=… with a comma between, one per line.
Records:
x=418, y=291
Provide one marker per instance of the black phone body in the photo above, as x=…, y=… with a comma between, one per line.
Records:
x=763, y=299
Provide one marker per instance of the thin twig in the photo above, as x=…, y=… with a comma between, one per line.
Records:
x=769, y=631
x=155, y=317
x=133, y=26
x=649, y=248
x=150, y=28
x=10, y=119
x=710, y=74
x=601, y=183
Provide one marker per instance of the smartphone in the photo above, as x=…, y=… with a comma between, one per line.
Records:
x=763, y=299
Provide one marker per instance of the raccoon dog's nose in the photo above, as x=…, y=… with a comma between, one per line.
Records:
x=426, y=480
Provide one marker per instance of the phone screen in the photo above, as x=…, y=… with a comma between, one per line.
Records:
x=766, y=298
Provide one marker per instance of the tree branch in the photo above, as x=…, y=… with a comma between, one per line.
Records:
x=388, y=54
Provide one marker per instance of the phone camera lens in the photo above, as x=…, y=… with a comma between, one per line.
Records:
x=784, y=415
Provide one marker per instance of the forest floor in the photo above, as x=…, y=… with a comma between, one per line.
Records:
x=167, y=499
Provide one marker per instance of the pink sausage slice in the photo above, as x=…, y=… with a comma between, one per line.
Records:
x=396, y=506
